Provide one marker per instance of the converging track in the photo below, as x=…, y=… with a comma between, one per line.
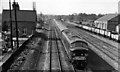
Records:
x=100, y=53
x=59, y=61
x=46, y=52
x=63, y=50
x=106, y=48
x=110, y=52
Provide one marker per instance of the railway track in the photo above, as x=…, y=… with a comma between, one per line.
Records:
x=58, y=59
x=65, y=50
x=113, y=49
x=61, y=42
x=98, y=59
x=104, y=47
x=55, y=54
x=66, y=53
x=55, y=61
x=58, y=52
x=50, y=43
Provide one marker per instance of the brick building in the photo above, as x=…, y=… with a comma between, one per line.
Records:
x=26, y=20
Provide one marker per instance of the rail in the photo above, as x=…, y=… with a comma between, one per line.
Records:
x=65, y=49
x=50, y=43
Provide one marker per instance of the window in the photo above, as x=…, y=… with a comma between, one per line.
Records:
x=24, y=31
x=79, y=44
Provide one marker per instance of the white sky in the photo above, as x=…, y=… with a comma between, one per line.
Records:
x=66, y=6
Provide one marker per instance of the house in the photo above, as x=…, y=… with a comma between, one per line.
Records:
x=26, y=20
x=107, y=22
x=88, y=22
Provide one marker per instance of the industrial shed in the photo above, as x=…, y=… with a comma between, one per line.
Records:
x=107, y=22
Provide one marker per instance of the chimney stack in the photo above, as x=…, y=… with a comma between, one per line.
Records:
x=15, y=5
x=34, y=6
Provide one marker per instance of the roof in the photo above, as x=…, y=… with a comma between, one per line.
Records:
x=77, y=40
x=107, y=17
x=118, y=25
x=22, y=15
x=61, y=26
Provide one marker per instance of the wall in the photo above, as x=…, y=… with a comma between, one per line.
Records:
x=112, y=24
x=21, y=25
x=101, y=24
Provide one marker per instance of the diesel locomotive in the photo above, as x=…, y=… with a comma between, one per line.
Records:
x=77, y=48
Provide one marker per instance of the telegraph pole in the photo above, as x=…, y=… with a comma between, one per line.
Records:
x=11, y=25
x=119, y=16
x=16, y=26
x=118, y=25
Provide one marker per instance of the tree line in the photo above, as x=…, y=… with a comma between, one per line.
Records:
x=80, y=17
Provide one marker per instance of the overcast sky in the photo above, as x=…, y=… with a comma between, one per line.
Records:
x=66, y=6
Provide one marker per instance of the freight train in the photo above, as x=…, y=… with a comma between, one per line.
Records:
x=112, y=35
x=77, y=48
